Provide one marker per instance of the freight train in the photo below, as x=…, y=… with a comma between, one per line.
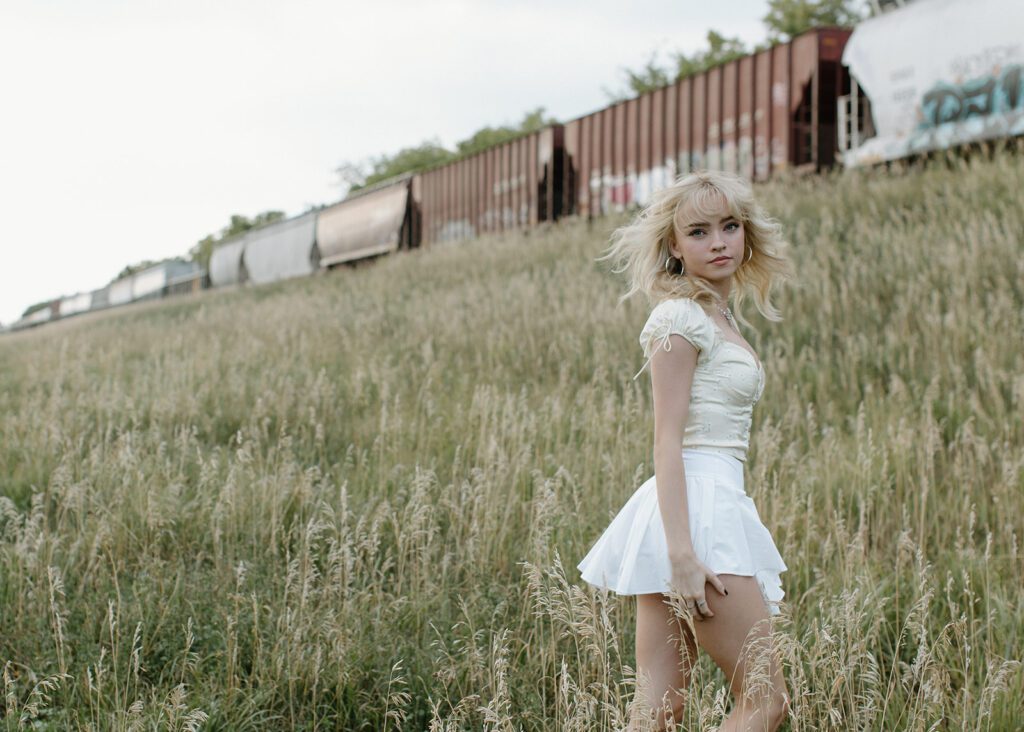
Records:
x=896, y=85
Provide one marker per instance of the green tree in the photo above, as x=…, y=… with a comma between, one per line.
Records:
x=789, y=18
x=352, y=176
x=785, y=20
x=652, y=76
x=131, y=269
x=240, y=224
x=491, y=136
x=36, y=306
x=535, y=121
x=720, y=50
x=407, y=160
x=202, y=251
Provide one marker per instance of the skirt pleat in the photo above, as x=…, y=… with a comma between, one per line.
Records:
x=631, y=556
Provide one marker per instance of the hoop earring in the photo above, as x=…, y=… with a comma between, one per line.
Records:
x=668, y=265
x=749, y=256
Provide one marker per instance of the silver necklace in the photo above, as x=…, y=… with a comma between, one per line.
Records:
x=728, y=316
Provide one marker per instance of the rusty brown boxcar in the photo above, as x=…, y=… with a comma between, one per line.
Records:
x=516, y=184
x=756, y=115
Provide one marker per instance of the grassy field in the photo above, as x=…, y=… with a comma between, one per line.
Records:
x=356, y=501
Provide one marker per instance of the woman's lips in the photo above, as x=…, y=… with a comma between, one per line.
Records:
x=720, y=260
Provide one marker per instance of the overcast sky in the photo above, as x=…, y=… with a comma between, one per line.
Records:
x=132, y=128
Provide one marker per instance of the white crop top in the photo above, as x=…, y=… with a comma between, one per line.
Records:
x=727, y=382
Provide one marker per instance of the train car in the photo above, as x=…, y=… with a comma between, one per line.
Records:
x=148, y=283
x=930, y=75
x=40, y=316
x=152, y=282
x=50, y=311
x=282, y=250
x=187, y=283
x=226, y=264
x=182, y=276
x=100, y=298
x=120, y=291
x=374, y=221
x=757, y=115
x=516, y=184
x=73, y=304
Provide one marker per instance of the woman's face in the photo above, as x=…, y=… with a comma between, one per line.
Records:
x=710, y=246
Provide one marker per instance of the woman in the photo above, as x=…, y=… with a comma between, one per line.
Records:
x=704, y=568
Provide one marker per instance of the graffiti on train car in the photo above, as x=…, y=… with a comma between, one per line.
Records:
x=648, y=181
x=983, y=108
x=937, y=88
x=456, y=231
x=507, y=185
x=612, y=193
x=762, y=157
x=998, y=93
x=728, y=145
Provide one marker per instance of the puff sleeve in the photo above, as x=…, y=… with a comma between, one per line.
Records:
x=682, y=316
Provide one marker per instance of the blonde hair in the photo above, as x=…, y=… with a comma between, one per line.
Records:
x=641, y=247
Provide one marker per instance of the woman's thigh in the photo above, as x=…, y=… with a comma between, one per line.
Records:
x=665, y=650
x=738, y=636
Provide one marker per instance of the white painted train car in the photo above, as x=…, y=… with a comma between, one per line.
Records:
x=931, y=75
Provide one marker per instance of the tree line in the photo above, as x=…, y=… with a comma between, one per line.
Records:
x=785, y=20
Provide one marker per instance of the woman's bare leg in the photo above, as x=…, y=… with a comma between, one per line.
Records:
x=761, y=705
x=665, y=654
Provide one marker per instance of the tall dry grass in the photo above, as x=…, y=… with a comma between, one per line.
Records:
x=356, y=501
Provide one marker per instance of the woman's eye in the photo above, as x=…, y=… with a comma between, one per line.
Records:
x=694, y=232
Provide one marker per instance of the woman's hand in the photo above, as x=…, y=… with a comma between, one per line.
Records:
x=689, y=577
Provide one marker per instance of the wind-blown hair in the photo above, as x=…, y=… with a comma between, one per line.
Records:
x=641, y=247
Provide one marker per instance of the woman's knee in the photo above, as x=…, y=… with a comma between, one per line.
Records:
x=662, y=689
x=657, y=717
x=771, y=707
x=774, y=709
x=779, y=708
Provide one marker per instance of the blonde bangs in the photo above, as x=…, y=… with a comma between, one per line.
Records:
x=704, y=205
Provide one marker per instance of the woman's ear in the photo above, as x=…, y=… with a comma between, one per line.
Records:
x=673, y=246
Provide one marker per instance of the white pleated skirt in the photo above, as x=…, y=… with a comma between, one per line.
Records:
x=631, y=556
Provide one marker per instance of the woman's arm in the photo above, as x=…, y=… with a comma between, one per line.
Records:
x=672, y=372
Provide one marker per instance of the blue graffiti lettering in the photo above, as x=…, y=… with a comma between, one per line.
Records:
x=981, y=97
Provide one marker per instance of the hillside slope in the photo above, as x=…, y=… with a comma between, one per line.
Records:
x=360, y=498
